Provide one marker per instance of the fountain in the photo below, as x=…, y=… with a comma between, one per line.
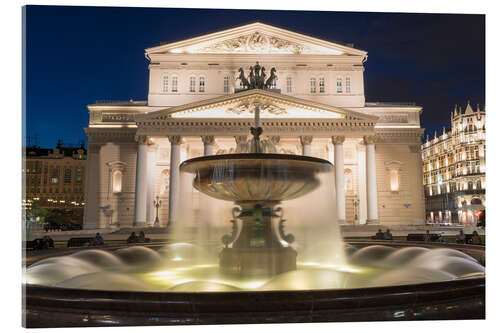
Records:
x=259, y=272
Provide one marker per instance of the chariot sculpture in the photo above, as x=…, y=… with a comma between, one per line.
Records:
x=257, y=77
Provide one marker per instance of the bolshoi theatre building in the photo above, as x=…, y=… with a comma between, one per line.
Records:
x=198, y=104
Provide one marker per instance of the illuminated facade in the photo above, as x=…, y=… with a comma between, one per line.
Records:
x=55, y=178
x=195, y=107
x=455, y=170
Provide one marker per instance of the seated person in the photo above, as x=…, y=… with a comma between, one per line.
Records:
x=98, y=240
x=379, y=234
x=476, y=239
x=47, y=242
x=461, y=237
x=388, y=235
x=142, y=237
x=132, y=238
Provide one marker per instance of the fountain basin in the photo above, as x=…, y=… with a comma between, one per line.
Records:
x=255, y=177
x=68, y=307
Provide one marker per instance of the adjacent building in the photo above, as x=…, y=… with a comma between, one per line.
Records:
x=55, y=180
x=454, y=169
x=316, y=107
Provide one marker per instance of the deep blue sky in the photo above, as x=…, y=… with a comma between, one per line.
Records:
x=77, y=55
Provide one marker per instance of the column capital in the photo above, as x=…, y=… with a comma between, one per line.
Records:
x=241, y=139
x=306, y=140
x=275, y=139
x=208, y=140
x=143, y=140
x=338, y=139
x=175, y=139
x=369, y=139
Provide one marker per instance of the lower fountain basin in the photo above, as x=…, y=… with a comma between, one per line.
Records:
x=462, y=298
x=255, y=176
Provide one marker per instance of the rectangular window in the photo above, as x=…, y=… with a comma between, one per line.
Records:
x=202, y=84
x=174, y=84
x=226, y=84
x=321, y=85
x=165, y=84
x=289, y=84
x=67, y=176
x=348, y=85
x=192, y=84
x=79, y=172
x=339, y=85
x=313, y=85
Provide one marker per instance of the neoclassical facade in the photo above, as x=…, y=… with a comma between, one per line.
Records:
x=196, y=107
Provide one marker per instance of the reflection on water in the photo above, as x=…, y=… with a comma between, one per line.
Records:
x=174, y=268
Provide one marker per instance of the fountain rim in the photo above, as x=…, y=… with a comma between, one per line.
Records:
x=253, y=156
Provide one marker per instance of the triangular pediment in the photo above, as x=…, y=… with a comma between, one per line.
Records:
x=242, y=105
x=256, y=38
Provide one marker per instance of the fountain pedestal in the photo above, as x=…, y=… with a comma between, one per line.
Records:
x=258, y=249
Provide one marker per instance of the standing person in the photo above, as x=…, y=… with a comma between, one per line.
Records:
x=98, y=240
x=461, y=237
x=427, y=237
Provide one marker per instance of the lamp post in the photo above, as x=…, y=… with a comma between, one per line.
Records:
x=355, y=203
x=157, y=204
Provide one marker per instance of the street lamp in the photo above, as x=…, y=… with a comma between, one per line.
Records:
x=157, y=204
x=355, y=203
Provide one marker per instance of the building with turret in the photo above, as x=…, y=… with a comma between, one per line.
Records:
x=454, y=169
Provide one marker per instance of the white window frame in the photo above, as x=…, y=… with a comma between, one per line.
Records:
x=226, y=84
x=348, y=84
x=192, y=84
x=312, y=83
x=289, y=84
x=321, y=84
x=164, y=87
x=175, y=83
x=339, y=85
x=202, y=84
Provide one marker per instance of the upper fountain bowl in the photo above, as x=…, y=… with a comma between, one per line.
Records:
x=255, y=177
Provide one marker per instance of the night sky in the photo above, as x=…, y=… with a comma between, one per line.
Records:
x=77, y=55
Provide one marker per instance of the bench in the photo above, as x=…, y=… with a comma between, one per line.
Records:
x=421, y=237
x=80, y=241
x=37, y=244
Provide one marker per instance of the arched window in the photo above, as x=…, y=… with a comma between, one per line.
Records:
x=476, y=201
x=192, y=84
x=289, y=84
x=165, y=84
x=202, y=84
x=394, y=168
x=117, y=181
x=478, y=185
x=165, y=180
x=348, y=180
x=321, y=84
x=226, y=84
x=313, y=85
x=174, y=84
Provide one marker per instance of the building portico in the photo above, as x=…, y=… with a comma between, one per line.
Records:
x=374, y=147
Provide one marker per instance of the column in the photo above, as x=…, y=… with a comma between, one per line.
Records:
x=141, y=182
x=362, y=184
x=208, y=145
x=338, y=144
x=371, y=181
x=151, y=151
x=306, y=141
x=175, y=159
x=275, y=140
